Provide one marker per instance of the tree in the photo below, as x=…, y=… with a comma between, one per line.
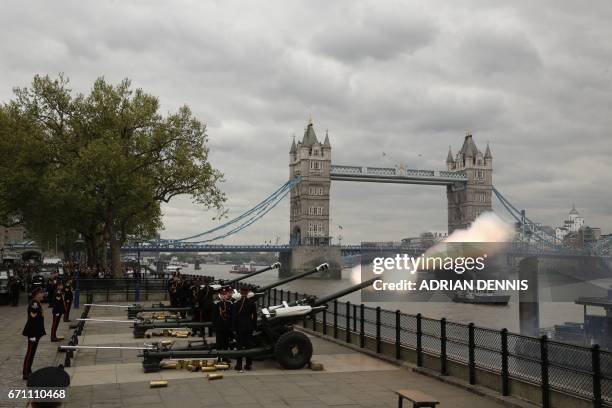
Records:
x=110, y=159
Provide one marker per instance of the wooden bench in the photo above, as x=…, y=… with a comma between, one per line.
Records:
x=419, y=399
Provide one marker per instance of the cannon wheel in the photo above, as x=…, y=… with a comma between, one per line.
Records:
x=293, y=350
x=139, y=333
x=151, y=366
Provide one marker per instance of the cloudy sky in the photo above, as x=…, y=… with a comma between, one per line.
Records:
x=406, y=78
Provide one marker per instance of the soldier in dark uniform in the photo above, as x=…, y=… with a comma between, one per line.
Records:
x=244, y=321
x=68, y=297
x=222, y=320
x=37, y=281
x=172, y=290
x=183, y=292
x=59, y=308
x=34, y=329
x=194, y=301
x=14, y=287
x=51, y=284
x=206, y=305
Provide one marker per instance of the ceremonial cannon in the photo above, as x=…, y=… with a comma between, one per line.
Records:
x=230, y=282
x=141, y=326
x=135, y=309
x=274, y=336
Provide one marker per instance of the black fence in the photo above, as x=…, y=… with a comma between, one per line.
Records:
x=122, y=285
x=74, y=338
x=127, y=285
x=579, y=371
x=585, y=372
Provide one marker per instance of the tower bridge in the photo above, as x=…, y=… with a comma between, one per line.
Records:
x=468, y=180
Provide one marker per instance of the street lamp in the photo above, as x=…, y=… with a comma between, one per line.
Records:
x=137, y=273
x=78, y=245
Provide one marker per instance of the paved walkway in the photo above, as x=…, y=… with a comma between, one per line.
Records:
x=114, y=378
x=13, y=347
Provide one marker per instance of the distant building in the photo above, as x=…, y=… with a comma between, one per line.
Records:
x=589, y=235
x=12, y=235
x=573, y=223
x=575, y=234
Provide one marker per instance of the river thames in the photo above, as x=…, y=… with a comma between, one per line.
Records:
x=490, y=316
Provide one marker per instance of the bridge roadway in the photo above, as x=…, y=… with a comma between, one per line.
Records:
x=517, y=250
x=187, y=247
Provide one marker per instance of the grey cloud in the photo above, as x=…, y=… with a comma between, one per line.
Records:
x=489, y=52
x=376, y=33
x=404, y=78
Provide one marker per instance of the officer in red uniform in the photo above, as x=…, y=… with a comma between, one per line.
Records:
x=34, y=329
x=59, y=308
x=68, y=297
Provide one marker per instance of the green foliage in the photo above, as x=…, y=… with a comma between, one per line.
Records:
x=98, y=164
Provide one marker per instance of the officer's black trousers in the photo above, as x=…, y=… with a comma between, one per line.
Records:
x=222, y=340
x=206, y=315
x=243, y=342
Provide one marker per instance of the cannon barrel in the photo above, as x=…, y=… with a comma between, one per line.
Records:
x=322, y=267
x=134, y=310
x=162, y=309
x=141, y=328
x=195, y=353
x=343, y=292
x=275, y=265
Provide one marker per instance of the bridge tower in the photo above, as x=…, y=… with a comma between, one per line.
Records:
x=309, y=217
x=309, y=207
x=466, y=201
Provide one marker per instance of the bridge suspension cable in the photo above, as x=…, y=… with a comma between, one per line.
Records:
x=520, y=217
x=600, y=247
x=249, y=217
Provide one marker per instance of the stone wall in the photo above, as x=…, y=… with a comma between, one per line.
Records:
x=303, y=258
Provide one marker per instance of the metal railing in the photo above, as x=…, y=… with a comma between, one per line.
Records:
x=123, y=285
x=340, y=170
x=584, y=372
x=74, y=338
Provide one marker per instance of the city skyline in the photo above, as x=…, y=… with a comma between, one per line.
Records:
x=394, y=85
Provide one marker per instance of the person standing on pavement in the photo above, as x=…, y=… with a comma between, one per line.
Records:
x=222, y=322
x=206, y=305
x=244, y=321
x=68, y=297
x=14, y=287
x=59, y=308
x=34, y=329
